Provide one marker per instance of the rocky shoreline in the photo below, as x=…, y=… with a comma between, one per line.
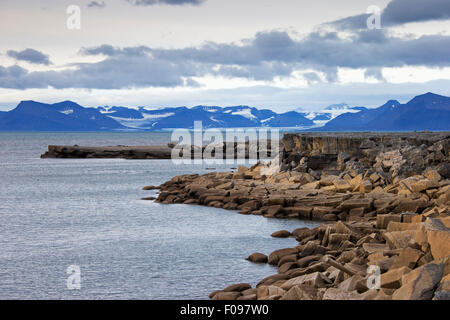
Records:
x=385, y=203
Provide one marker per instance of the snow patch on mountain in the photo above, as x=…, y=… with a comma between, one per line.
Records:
x=247, y=113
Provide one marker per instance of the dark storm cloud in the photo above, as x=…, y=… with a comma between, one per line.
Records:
x=30, y=55
x=168, y=2
x=266, y=56
x=96, y=4
x=399, y=12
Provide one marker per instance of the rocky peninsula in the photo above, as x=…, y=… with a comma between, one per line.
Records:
x=384, y=200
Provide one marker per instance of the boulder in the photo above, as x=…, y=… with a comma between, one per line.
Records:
x=393, y=278
x=434, y=233
x=351, y=284
x=383, y=220
x=432, y=175
x=272, y=279
x=301, y=292
x=264, y=292
x=226, y=296
x=257, y=258
x=399, y=239
x=344, y=228
x=315, y=279
x=385, y=263
x=443, y=290
x=285, y=267
x=422, y=185
x=400, y=226
x=305, y=261
x=342, y=186
x=328, y=180
x=312, y=248
x=365, y=186
x=375, y=247
x=275, y=256
x=238, y=287
x=273, y=210
x=420, y=283
x=439, y=241
x=365, y=203
x=408, y=258
x=281, y=234
x=311, y=186
x=287, y=258
x=338, y=294
x=302, y=233
x=444, y=170
x=150, y=188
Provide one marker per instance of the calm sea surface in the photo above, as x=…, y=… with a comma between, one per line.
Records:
x=60, y=212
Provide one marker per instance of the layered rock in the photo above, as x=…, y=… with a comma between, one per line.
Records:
x=385, y=206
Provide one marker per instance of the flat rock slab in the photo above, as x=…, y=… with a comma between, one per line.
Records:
x=126, y=152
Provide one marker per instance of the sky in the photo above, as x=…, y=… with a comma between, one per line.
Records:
x=281, y=55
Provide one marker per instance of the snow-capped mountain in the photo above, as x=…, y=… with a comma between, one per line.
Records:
x=321, y=117
x=211, y=117
x=69, y=116
x=424, y=112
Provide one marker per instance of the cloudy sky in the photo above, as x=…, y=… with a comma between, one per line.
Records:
x=282, y=54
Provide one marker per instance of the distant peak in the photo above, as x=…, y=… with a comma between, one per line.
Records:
x=429, y=96
x=342, y=105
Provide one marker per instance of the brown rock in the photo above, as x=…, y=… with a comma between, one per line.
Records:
x=238, y=287
x=375, y=247
x=257, y=257
x=338, y=294
x=393, y=278
x=287, y=258
x=365, y=203
x=273, y=210
x=305, y=261
x=420, y=283
x=275, y=256
x=272, y=279
x=443, y=290
x=301, y=233
x=249, y=297
x=150, y=188
x=399, y=239
x=264, y=292
x=226, y=296
x=384, y=219
x=311, y=186
x=408, y=258
x=365, y=186
x=432, y=175
x=301, y=292
x=341, y=185
x=281, y=234
x=286, y=267
x=315, y=279
x=435, y=234
x=400, y=226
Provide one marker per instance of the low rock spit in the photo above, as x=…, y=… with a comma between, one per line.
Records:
x=385, y=206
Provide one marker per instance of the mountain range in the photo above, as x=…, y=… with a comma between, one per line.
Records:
x=425, y=112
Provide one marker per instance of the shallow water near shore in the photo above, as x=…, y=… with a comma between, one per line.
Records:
x=60, y=212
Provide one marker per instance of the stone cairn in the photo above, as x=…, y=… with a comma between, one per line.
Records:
x=384, y=201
